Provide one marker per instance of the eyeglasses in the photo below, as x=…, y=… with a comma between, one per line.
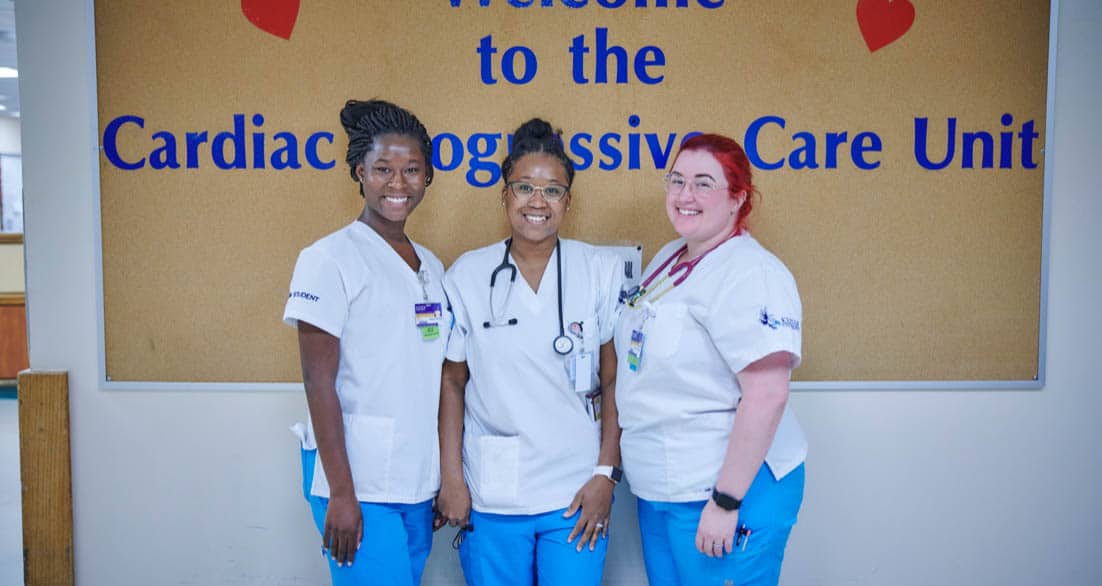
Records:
x=675, y=182
x=524, y=191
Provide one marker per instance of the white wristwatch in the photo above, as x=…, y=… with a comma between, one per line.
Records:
x=611, y=472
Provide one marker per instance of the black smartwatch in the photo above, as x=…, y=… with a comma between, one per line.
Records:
x=725, y=501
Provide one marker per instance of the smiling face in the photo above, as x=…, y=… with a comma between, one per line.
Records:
x=535, y=219
x=394, y=176
x=703, y=216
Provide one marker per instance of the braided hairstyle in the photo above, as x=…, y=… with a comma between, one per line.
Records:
x=537, y=136
x=364, y=122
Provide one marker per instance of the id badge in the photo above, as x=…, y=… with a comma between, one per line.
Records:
x=593, y=404
x=635, y=350
x=428, y=316
x=579, y=368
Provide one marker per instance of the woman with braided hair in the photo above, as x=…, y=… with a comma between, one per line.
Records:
x=370, y=311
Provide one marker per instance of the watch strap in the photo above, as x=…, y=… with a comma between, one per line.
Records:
x=610, y=472
x=725, y=501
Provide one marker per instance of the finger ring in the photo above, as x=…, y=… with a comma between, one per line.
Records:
x=600, y=525
x=716, y=546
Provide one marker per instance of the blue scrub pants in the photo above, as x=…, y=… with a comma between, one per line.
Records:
x=396, y=542
x=769, y=510
x=523, y=550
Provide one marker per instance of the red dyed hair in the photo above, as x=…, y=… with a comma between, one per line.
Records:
x=736, y=169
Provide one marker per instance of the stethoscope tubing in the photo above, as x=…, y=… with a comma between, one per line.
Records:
x=562, y=344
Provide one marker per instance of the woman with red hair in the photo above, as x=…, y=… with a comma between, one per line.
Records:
x=706, y=348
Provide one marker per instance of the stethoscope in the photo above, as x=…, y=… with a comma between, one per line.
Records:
x=639, y=294
x=562, y=344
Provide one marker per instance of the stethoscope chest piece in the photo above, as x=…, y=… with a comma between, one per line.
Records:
x=563, y=345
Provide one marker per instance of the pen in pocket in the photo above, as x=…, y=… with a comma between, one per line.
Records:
x=742, y=537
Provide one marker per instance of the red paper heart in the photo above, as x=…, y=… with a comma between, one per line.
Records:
x=884, y=21
x=272, y=16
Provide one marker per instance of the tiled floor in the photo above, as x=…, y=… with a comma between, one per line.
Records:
x=11, y=532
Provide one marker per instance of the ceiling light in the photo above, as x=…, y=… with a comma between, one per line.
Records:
x=8, y=72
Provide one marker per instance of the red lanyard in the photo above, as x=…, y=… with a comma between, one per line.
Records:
x=686, y=266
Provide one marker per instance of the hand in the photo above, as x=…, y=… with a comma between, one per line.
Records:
x=344, y=529
x=715, y=534
x=595, y=501
x=453, y=505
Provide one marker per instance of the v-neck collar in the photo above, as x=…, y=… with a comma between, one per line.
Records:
x=533, y=300
x=390, y=255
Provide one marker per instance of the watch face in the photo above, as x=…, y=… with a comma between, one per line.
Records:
x=617, y=474
x=563, y=345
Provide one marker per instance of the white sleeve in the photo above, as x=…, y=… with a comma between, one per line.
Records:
x=461, y=323
x=317, y=294
x=757, y=315
x=611, y=279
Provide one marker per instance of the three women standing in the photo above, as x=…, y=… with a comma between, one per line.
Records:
x=532, y=402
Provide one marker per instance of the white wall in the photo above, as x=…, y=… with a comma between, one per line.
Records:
x=11, y=255
x=904, y=488
x=10, y=143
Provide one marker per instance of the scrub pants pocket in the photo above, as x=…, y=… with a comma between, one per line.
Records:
x=769, y=510
x=525, y=550
x=396, y=543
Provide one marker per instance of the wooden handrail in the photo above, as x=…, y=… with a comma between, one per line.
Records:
x=45, y=467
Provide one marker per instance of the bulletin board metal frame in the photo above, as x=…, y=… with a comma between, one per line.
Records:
x=105, y=383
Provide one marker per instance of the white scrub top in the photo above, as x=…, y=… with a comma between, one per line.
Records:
x=529, y=442
x=740, y=304
x=353, y=285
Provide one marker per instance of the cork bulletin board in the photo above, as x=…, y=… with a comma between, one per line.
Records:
x=898, y=149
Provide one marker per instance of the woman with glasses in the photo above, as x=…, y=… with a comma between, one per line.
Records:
x=527, y=474
x=369, y=306
x=706, y=346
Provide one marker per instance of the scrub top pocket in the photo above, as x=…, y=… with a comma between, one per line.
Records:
x=498, y=470
x=663, y=330
x=369, y=442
